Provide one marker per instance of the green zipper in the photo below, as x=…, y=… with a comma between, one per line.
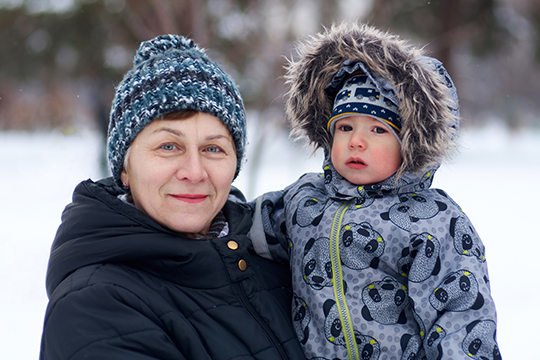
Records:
x=337, y=281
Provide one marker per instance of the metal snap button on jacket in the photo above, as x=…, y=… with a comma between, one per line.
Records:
x=233, y=245
x=242, y=265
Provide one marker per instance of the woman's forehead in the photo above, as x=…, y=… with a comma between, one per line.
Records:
x=205, y=125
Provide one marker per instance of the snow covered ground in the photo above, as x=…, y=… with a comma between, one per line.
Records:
x=495, y=179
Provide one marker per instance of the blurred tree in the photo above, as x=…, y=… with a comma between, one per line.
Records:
x=95, y=40
x=60, y=60
x=80, y=52
x=92, y=42
x=444, y=24
x=70, y=54
x=484, y=44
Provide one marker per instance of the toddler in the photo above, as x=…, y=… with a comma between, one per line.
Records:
x=383, y=266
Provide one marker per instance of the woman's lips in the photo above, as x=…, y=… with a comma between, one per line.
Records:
x=190, y=198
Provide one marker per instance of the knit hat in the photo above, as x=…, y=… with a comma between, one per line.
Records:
x=359, y=95
x=171, y=73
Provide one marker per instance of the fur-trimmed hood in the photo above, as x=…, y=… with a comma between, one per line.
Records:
x=427, y=97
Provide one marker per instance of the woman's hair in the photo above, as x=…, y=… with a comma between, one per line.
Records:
x=179, y=115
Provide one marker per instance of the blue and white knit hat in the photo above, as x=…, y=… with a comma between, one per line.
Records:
x=360, y=95
x=171, y=73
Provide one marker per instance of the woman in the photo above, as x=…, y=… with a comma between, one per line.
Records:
x=154, y=263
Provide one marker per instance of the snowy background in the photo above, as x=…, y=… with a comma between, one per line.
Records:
x=495, y=179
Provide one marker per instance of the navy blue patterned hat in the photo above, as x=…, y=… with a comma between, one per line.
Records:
x=171, y=73
x=359, y=95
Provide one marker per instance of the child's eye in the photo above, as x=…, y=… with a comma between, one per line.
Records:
x=379, y=130
x=345, y=128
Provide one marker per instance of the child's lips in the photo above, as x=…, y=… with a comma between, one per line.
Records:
x=190, y=198
x=356, y=164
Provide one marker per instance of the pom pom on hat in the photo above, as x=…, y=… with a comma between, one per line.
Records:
x=171, y=73
x=162, y=44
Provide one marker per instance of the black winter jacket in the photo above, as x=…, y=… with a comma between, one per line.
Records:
x=123, y=287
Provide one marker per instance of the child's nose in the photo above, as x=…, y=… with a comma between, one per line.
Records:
x=357, y=140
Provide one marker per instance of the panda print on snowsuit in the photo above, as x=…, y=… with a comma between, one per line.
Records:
x=267, y=207
x=411, y=208
x=385, y=302
x=310, y=208
x=425, y=180
x=459, y=291
x=327, y=175
x=362, y=200
x=432, y=343
x=365, y=195
x=411, y=346
x=480, y=343
x=466, y=240
x=332, y=324
x=420, y=259
x=301, y=317
x=360, y=246
x=416, y=347
x=317, y=265
x=368, y=347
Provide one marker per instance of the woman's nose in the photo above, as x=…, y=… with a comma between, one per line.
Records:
x=192, y=168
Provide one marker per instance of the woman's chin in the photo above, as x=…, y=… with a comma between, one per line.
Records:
x=190, y=231
x=189, y=228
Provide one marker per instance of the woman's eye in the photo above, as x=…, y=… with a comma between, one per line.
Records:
x=168, y=147
x=214, y=149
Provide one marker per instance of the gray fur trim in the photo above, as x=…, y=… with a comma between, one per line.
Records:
x=428, y=101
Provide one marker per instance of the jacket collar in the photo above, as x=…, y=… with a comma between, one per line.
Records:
x=340, y=188
x=98, y=228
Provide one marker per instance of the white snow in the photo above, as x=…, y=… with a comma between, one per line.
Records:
x=495, y=179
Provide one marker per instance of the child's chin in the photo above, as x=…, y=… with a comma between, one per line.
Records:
x=359, y=180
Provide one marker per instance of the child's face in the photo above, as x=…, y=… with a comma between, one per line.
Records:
x=364, y=150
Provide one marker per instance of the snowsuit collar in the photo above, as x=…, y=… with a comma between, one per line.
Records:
x=339, y=188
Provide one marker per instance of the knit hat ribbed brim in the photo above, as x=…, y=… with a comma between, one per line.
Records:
x=171, y=73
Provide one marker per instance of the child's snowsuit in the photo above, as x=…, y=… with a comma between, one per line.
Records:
x=393, y=270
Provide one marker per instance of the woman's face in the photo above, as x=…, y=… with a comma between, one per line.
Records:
x=180, y=172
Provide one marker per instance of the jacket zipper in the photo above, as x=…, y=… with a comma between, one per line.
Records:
x=247, y=304
x=337, y=281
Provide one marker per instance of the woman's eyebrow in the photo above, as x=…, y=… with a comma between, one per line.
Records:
x=170, y=130
x=217, y=137
x=181, y=134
